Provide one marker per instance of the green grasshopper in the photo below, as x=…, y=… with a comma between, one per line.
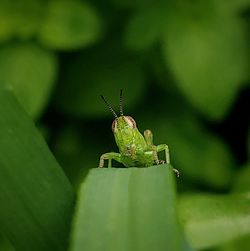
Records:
x=135, y=149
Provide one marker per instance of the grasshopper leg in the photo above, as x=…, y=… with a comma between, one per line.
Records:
x=109, y=157
x=176, y=172
x=148, y=135
x=164, y=147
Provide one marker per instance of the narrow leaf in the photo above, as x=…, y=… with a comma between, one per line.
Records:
x=35, y=195
x=127, y=209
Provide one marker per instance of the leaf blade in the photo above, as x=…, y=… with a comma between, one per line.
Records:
x=127, y=209
x=35, y=196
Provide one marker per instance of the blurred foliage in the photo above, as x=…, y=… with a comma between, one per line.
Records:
x=95, y=70
x=210, y=220
x=184, y=68
x=30, y=72
x=69, y=25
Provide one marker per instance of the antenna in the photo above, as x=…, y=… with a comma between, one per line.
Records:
x=120, y=104
x=109, y=106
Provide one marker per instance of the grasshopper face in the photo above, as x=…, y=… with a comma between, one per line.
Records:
x=123, y=123
x=128, y=138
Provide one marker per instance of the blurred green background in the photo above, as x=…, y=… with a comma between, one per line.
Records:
x=183, y=66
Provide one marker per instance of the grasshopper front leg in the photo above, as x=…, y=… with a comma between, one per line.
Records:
x=109, y=157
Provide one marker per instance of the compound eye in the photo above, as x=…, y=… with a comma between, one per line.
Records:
x=114, y=123
x=131, y=122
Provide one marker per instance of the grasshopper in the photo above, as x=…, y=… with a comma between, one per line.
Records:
x=135, y=150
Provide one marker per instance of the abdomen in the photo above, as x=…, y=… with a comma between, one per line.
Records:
x=142, y=160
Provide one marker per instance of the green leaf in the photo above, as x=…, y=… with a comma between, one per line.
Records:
x=146, y=27
x=69, y=25
x=102, y=70
x=133, y=4
x=30, y=72
x=5, y=244
x=240, y=244
x=127, y=209
x=232, y=6
x=20, y=18
x=35, y=196
x=207, y=53
x=241, y=182
x=210, y=220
